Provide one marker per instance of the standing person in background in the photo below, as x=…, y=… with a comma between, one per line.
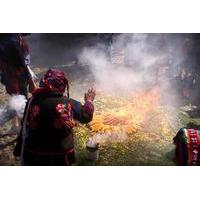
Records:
x=187, y=82
x=47, y=137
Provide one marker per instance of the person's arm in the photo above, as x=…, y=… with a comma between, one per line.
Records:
x=84, y=113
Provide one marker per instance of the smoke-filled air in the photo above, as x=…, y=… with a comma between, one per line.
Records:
x=146, y=89
x=137, y=61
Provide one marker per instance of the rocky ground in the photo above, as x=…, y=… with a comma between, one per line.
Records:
x=7, y=142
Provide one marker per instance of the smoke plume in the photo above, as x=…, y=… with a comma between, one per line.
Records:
x=6, y=114
x=17, y=103
x=134, y=61
x=15, y=107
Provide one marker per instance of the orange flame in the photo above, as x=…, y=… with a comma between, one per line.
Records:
x=117, y=115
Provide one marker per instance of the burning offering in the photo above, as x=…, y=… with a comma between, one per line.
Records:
x=125, y=114
x=123, y=126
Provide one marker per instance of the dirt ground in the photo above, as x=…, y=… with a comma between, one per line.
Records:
x=154, y=147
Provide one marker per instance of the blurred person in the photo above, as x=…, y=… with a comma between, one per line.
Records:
x=16, y=74
x=187, y=86
x=14, y=61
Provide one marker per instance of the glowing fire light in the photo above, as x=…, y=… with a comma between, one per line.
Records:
x=124, y=114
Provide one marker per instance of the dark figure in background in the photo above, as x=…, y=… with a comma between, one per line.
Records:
x=49, y=119
x=196, y=89
x=14, y=60
x=106, y=40
x=187, y=84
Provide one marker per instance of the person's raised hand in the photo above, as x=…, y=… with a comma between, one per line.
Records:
x=90, y=95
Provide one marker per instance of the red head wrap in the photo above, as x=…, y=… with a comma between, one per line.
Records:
x=55, y=81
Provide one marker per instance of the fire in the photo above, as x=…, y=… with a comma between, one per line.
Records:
x=116, y=115
x=114, y=121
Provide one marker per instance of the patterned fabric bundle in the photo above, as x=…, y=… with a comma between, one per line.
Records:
x=187, y=143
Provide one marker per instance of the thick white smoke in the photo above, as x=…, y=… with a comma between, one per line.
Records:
x=15, y=107
x=6, y=114
x=107, y=137
x=146, y=60
x=18, y=103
